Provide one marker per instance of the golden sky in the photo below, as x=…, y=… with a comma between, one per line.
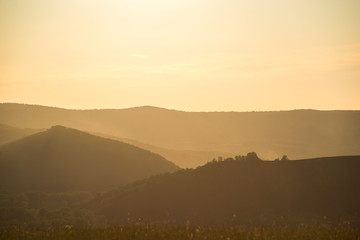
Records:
x=194, y=55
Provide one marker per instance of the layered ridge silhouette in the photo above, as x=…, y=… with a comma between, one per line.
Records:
x=298, y=133
x=63, y=159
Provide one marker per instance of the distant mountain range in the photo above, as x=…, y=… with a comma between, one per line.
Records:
x=242, y=191
x=298, y=133
x=62, y=159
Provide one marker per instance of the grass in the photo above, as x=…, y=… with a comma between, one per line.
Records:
x=149, y=232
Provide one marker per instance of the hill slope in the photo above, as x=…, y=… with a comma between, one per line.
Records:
x=64, y=159
x=242, y=191
x=8, y=133
x=299, y=134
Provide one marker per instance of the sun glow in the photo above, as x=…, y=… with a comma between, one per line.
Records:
x=137, y=52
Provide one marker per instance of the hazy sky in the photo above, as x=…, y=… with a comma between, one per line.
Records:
x=181, y=54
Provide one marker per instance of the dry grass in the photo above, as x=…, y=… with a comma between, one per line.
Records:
x=300, y=232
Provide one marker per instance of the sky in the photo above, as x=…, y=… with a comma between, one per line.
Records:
x=193, y=55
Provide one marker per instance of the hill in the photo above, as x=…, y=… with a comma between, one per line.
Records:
x=182, y=158
x=63, y=159
x=8, y=133
x=242, y=191
x=298, y=133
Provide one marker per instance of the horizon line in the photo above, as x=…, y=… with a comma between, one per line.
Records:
x=178, y=110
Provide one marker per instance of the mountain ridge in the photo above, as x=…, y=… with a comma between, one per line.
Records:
x=9, y=133
x=297, y=133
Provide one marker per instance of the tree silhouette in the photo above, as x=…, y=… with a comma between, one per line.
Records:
x=252, y=156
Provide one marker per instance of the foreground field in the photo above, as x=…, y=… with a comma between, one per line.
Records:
x=301, y=232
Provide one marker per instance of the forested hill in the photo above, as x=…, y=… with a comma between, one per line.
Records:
x=62, y=159
x=298, y=133
x=240, y=191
